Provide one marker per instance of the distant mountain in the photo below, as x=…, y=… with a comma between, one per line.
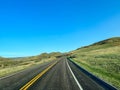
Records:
x=101, y=58
x=40, y=57
x=3, y=59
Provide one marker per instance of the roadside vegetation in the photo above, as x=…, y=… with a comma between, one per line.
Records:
x=12, y=65
x=102, y=59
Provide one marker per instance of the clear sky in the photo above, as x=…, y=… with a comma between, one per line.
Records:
x=30, y=27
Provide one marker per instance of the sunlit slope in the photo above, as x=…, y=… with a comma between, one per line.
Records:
x=10, y=65
x=102, y=59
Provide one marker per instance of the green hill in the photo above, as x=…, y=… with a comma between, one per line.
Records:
x=102, y=59
x=10, y=65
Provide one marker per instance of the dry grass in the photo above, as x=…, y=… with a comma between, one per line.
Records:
x=10, y=66
x=102, y=61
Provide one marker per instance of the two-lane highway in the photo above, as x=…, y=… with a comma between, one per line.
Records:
x=17, y=80
x=62, y=75
x=65, y=76
x=58, y=78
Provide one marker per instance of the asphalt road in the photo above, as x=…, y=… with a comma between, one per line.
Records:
x=16, y=81
x=64, y=75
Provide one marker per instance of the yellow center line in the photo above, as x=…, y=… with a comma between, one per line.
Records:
x=32, y=81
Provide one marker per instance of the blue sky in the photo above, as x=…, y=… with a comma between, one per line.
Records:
x=30, y=27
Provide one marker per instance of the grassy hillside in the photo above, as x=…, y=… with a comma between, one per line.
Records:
x=102, y=59
x=10, y=65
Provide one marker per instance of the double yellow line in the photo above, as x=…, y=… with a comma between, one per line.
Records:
x=26, y=86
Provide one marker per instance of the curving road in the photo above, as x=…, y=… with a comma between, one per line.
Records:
x=62, y=75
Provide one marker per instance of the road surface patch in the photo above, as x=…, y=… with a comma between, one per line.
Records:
x=32, y=81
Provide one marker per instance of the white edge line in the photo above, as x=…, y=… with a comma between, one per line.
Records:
x=80, y=87
x=14, y=73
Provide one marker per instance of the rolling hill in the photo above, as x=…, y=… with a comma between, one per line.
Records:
x=102, y=59
x=12, y=65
